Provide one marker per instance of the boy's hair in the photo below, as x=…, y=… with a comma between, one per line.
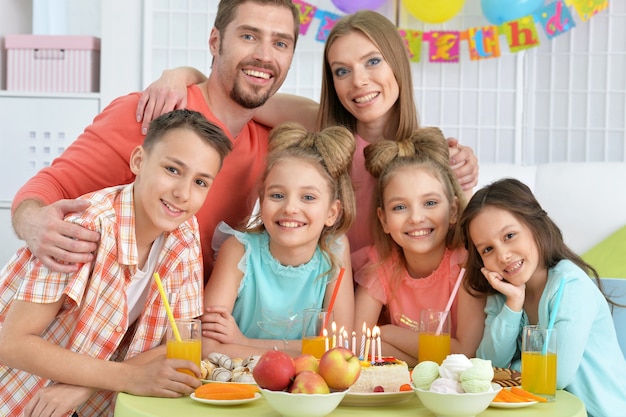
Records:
x=192, y=120
x=515, y=197
x=227, y=9
x=330, y=151
x=427, y=149
x=384, y=35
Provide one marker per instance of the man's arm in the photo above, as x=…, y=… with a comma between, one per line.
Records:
x=97, y=159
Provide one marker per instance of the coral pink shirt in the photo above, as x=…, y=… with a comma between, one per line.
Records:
x=100, y=157
x=410, y=295
x=360, y=234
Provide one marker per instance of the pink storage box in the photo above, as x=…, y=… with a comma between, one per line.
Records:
x=53, y=63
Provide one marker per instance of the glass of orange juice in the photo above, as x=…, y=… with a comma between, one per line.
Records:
x=539, y=361
x=189, y=346
x=434, y=336
x=313, y=320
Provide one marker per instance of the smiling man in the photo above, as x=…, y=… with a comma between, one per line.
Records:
x=252, y=43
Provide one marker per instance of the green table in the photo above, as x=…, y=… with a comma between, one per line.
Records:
x=566, y=405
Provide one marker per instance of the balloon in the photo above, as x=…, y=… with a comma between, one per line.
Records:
x=498, y=11
x=351, y=6
x=435, y=11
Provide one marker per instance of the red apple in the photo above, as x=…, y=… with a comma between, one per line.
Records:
x=306, y=362
x=274, y=370
x=339, y=368
x=309, y=382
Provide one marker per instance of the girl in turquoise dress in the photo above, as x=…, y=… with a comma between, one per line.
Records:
x=290, y=255
x=518, y=258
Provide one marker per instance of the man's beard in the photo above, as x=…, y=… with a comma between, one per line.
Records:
x=248, y=101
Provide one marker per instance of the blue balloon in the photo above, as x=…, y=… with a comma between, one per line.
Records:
x=500, y=11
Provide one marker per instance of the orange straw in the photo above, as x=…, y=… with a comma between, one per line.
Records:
x=334, y=296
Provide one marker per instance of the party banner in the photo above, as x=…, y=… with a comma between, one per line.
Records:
x=445, y=46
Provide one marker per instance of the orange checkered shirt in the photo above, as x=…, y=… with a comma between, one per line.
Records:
x=94, y=317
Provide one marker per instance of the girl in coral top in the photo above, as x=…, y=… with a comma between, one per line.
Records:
x=418, y=254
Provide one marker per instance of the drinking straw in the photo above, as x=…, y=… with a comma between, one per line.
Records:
x=170, y=316
x=457, y=284
x=557, y=302
x=334, y=296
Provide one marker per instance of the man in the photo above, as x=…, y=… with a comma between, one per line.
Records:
x=260, y=36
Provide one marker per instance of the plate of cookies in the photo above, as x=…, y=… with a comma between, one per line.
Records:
x=220, y=368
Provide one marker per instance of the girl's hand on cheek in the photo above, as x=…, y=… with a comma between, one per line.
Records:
x=514, y=293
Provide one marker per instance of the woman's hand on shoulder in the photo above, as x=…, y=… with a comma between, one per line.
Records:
x=464, y=163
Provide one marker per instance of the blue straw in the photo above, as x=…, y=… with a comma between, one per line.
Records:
x=557, y=302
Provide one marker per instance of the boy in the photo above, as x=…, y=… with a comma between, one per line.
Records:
x=69, y=341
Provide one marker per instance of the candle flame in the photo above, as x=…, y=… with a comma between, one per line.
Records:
x=325, y=333
x=334, y=327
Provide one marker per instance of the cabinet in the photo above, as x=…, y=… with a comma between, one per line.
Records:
x=36, y=129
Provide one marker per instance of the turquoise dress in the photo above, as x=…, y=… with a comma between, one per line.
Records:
x=271, y=296
x=590, y=363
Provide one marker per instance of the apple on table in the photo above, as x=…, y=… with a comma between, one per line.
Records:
x=306, y=362
x=274, y=370
x=340, y=368
x=309, y=382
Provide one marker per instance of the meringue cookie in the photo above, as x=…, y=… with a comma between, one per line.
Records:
x=453, y=365
x=446, y=386
x=424, y=374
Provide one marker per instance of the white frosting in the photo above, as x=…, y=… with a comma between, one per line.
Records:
x=389, y=376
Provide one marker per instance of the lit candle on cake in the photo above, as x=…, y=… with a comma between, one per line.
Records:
x=346, y=341
x=341, y=331
x=353, y=342
x=367, y=344
x=378, y=343
x=325, y=334
x=362, y=349
x=334, y=327
x=373, y=355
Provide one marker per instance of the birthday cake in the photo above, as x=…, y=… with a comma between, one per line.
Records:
x=386, y=375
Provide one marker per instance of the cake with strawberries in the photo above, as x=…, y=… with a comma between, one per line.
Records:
x=387, y=375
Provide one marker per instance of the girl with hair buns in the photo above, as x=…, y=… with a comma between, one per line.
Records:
x=289, y=256
x=417, y=253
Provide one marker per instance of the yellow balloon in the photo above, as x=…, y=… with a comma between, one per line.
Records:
x=433, y=11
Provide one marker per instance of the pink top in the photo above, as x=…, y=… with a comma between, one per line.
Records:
x=411, y=295
x=360, y=234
